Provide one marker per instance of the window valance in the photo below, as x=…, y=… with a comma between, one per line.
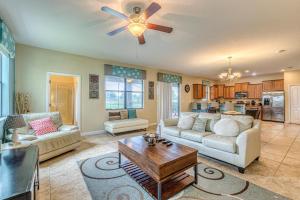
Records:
x=125, y=72
x=7, y=42
x=169, y=78
x=206, y=82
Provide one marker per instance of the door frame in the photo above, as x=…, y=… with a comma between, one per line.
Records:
x=290, y=100
x=77, y=113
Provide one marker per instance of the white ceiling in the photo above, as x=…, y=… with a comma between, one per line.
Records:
x=205, y=33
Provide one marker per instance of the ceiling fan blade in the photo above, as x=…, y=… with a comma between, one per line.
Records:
x=159, y=28
x=153, y=8
x=114, y=12
x=142, y=39
x=118, y=30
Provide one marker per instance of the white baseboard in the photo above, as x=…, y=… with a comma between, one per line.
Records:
x=93, y=133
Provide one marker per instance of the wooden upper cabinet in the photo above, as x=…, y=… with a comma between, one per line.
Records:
x=251, y=91
x=220, y=90
x=254, y=91
x=229, y=92
x=214, y=92
x=267, y=86
x=258, y=92
x=278, y=85
x=273, y=85
x=241, y=87
x=197, y=91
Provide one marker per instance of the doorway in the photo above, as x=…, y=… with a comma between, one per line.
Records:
x=63, y=95
x=294, y=92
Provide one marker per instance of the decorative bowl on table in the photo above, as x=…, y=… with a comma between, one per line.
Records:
x=150, y=138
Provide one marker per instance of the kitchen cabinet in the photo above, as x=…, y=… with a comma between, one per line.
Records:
x=273, y=85
x=214, y=92
x=278, y=85
x=241, y=87
x=197, y=91
x=254, y=91
x=220, y=91
x=229, y=92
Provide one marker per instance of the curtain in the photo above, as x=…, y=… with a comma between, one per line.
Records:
x=164, y=101
x=169, y=78
x=124, y=72
x=7, y=42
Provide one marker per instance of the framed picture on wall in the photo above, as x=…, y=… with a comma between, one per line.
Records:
x=151, y=90
x=94, y=86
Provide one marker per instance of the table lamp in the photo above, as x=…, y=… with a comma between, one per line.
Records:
x=12, y=123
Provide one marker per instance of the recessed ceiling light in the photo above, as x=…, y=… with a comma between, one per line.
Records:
x=282, y=51
x=254, y=74
x=282, y=70
x=247, y=71
x=290, y=67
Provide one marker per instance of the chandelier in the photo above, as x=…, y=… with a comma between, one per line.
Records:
x=229, y=75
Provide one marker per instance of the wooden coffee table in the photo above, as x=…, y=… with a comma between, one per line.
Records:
x=159, y=169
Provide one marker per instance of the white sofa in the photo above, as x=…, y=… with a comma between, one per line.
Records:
x=124, y=125
x=50, y=145
x=239, y=151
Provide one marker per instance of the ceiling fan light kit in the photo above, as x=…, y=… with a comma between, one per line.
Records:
x=137, y=22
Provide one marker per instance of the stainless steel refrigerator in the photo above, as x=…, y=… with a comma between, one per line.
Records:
x=273, y=106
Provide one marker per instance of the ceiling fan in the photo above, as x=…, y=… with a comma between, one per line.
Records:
x=137, y=22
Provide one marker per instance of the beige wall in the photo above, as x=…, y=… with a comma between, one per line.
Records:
x=32, y=65
x=257, y=79
x=290, y=78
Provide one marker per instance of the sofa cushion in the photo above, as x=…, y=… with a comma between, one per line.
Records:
x=245, y=122
x=172, y=130
x=186, y=122
x=219, y=142
x=227, y=127
x=125, y=123
x=124, y=114
x=114, y=116
x=194, y=135
x=131, y=114
x=55, y=116
x=43, y=126
x=57, y=140
x=200, y=124
x=68, y=128
x=212, y=119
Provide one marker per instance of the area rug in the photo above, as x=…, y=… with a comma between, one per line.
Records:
x=106, y=181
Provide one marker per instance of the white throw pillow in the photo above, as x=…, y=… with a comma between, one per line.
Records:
x=227, y=127
x=186, y=122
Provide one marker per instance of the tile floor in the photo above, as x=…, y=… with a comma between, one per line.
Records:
x=278, y=168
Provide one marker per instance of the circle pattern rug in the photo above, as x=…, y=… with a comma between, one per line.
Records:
x=106, y=181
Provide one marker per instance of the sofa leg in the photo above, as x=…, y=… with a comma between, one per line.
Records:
x=257, y=158
x=241, y=170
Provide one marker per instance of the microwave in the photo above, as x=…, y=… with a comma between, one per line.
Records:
x=241, y=95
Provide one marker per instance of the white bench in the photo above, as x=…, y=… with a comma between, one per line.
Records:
x=124, y=125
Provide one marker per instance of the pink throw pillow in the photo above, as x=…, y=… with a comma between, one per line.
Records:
x=43, y=126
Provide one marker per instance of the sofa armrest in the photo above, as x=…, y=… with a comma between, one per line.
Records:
x=68, y=128
x=248, y=143
x=169, y=122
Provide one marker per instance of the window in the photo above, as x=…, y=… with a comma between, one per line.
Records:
x=175, y=100
x=122, y=93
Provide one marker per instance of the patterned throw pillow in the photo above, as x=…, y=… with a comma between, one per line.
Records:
x=186, y=123
x=114, y=116
x=43, y=126
x=124, y=114
x=131, y=114
x=200, y=124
